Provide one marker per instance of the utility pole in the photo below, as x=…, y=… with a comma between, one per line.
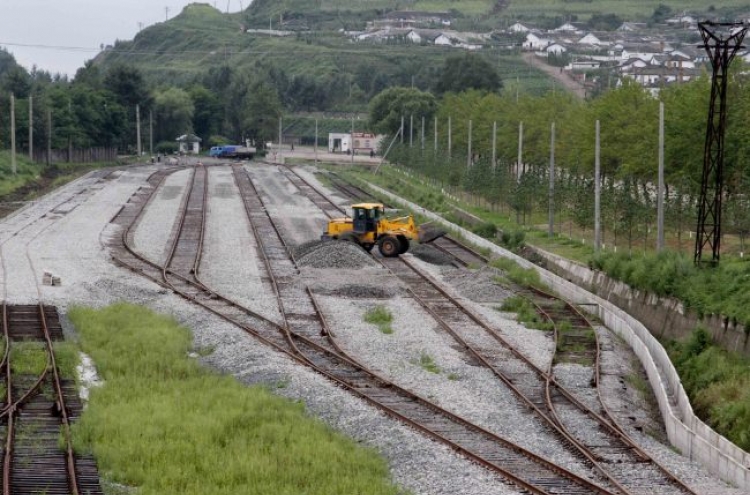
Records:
x=316, y=142
x=597, y=193
x=468, y=151
x=551, y=231
x=31, y=128
x=281, y=138
x=494, y=145
x=49, y=136
x=422, y=133
x=402, y=129
x=450, y=131
x=151, y=133
x=138, y=130
x=436, y=134
x=520, y=152
x=660, y=192
x=166, y=14
x=13, y=132
x=351, y=145
x=70, y=133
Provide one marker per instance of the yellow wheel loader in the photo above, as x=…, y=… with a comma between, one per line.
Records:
x=369, y=226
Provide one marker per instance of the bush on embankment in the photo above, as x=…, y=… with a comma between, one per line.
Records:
x=718, y=384
x=722, y=290
x=164, y=424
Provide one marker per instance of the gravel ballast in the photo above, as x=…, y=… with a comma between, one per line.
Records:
x=73, y=247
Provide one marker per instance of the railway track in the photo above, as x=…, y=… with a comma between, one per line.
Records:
x=597, y=437
x=38, y=405
x=305, y=336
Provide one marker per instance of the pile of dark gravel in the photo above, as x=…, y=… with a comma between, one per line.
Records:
x=361, y=291
x=335, y=254
x=430, y=254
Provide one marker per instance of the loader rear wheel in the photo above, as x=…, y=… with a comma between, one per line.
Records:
x=403, y=244
x=389, y=246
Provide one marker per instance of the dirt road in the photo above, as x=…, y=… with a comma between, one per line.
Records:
x=562, y=77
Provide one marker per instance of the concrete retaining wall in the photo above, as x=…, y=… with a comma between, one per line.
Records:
x=665, y=317
x=686, y=431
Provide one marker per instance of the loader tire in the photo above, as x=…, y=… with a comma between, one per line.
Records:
x=403, y=244
x=389, y=246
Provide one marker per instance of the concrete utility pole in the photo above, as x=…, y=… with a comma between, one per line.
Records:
x=166, y=14
x=468, y=151
x=597, y=193
x=281, y=138
x=494, y=145
x=351, y=145
x=70, y=134
x=13, y=133
x=138, y=130
x=520, y=152
x=436, y=134
x=402, y=129
x=660, y=194
x=450, y=132
x=551, y=230
x=31, y=128
x=151, y=133
x=316, y=142
x=422, y=133
x=49, y=136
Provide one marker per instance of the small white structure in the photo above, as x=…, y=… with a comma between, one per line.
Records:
x=534, y=42
x=590, y=39
x=443, y=40
x=555, y=49
x=189, y=144
x=359, y=142
x=518, y=28
x=414, y=37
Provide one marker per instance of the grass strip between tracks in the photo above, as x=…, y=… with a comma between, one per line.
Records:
x=164, y=424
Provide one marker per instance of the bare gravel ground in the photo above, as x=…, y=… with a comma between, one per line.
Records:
x=158, y=222
x=73, y=247
x=230, y=262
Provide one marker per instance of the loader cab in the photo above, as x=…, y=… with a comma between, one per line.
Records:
x=365, y=217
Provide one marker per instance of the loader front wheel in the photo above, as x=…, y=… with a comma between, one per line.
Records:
x=389, y=246
x=403, y=244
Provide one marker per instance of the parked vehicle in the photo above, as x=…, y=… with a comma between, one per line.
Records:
x=232, y=151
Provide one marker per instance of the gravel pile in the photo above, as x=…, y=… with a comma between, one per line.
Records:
x=430, y=254
x=336, y=254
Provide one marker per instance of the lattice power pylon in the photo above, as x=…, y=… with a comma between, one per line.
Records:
x=721, y=41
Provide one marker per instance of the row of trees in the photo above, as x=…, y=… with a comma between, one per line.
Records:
x=629, y=118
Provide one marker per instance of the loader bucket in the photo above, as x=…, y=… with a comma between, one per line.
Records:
x=428, y=233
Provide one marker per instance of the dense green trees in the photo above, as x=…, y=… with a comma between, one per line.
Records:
x=467, y=71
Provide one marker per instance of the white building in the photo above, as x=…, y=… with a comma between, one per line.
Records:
x=189, y=144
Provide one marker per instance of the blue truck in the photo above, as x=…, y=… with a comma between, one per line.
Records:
x=232, y=151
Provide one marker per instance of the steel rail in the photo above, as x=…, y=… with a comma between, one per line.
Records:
x=608, y=422
x=328, y=333
x=337, y=361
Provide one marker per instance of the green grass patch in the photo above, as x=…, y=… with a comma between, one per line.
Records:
x=526, y=313
x=427, y=363
x=525, y=277
x=718, y=384
x=163, y=424
x=28, y=358
x=380, y=316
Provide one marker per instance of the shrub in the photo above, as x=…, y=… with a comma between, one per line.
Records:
x=488, y=230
